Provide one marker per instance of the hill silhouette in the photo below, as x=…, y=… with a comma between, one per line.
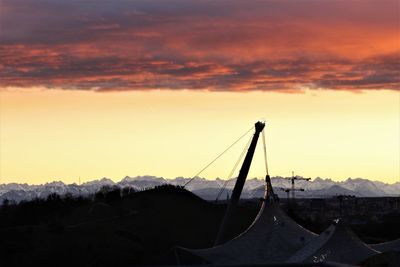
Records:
x=112, y=228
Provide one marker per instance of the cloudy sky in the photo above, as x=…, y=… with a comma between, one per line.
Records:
x=79, y=78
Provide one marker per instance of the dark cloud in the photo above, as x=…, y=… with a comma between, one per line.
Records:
x=212, y=45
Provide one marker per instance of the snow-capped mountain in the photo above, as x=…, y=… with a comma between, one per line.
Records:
x=207, y=188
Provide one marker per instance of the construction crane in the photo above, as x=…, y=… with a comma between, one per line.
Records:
x=292, y=179
x=288, y=190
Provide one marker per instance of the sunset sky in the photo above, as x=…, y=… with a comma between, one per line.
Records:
x=113, y=88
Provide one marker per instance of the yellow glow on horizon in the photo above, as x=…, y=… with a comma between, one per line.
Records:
x=48, y=135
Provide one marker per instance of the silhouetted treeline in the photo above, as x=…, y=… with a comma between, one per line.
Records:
x=56, y=207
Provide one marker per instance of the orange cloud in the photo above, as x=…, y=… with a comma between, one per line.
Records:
x=224, y=45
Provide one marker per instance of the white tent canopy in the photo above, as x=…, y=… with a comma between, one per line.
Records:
x=338, y=243
x=393, y=245
x=272, y=238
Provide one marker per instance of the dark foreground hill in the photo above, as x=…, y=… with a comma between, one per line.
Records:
x=138, y=228
x=118, y=227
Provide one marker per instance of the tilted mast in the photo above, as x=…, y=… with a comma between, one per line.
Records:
x=237, y=190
